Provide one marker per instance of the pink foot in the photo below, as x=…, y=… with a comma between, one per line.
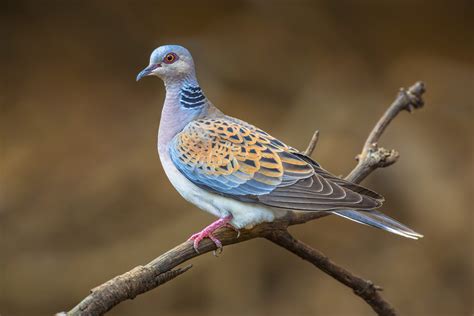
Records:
x=209, y=230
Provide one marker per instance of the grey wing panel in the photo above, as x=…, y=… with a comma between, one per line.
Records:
x=318, y=194
x=352, y=186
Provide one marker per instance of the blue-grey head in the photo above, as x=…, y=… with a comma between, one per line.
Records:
x=170, y=63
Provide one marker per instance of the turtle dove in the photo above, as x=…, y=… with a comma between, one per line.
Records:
x=237, y=171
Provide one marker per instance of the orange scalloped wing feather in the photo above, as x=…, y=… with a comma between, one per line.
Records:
x=235, y=159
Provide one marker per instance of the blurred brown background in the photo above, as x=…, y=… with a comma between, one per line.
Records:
x=84, y=198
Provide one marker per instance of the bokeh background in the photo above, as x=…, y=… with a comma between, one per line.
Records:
x=84, y=197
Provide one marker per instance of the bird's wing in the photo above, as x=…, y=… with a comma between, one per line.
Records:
x=235, y=159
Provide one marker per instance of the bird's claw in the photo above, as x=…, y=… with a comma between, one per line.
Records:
x=208, y=233
x=198, y=237
x=218, y=244
x=235, y=229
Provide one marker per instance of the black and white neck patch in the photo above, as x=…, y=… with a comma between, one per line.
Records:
x=191, y=97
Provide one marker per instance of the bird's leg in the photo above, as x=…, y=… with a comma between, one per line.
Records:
x=207, y=232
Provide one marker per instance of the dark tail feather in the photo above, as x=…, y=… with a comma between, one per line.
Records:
x=379, y=220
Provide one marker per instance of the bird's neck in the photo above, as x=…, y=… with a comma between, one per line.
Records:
x=184, y=103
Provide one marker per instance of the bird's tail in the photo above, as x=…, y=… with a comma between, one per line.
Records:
x=379, y=220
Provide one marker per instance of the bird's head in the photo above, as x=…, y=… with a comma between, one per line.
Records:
x=169, y=62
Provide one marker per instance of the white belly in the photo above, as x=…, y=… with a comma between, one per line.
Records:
x=243, y=214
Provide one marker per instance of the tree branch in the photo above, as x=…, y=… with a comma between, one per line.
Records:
x=362, y=288
x=373, y=156
x=162, y=269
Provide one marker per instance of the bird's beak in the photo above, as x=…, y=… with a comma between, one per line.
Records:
x=147, y=71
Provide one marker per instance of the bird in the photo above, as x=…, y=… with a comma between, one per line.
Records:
x=238, y=172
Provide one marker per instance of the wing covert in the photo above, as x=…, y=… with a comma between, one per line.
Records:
x=235, y=159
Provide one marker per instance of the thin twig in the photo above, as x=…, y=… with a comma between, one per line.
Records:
x=373, y=156
x=145, y=278
x=312, y=144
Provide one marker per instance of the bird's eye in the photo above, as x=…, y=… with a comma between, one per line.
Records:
x=170, y=58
